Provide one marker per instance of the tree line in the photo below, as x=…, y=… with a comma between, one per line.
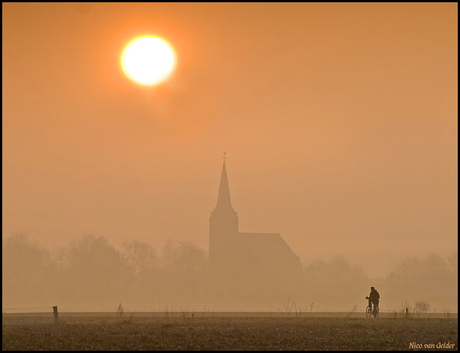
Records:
x=91, y=270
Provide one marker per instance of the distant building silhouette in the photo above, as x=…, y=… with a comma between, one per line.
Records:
x=248, y=262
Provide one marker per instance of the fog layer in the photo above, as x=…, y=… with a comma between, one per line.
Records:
x=90, y=274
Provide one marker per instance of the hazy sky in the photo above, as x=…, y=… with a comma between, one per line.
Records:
x=339, y=121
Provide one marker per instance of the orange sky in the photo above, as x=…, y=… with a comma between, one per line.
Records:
x=339, y=121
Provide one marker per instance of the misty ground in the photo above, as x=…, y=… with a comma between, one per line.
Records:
x=227, y=333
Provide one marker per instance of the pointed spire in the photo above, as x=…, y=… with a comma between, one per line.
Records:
x=223, y=198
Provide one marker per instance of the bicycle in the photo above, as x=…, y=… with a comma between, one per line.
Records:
x=370, y=312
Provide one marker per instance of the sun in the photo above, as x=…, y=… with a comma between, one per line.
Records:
x=148, y=60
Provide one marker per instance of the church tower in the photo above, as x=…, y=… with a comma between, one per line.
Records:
x=223, y=228
x=247, y=266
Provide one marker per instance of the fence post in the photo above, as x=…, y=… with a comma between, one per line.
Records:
x=55, y=313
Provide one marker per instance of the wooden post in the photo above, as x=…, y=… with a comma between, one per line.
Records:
x=55, y=313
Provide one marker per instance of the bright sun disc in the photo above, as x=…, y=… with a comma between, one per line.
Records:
x=148, y=60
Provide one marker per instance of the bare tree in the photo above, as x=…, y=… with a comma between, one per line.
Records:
x=25, y=269
x=96, y=269
x=184, y=257
x=139, y=256
x=60, y=257
x=422, y=307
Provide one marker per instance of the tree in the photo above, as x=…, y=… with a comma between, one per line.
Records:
x=336, y=283
x=433, y=264
x=182, y=272
x=139, y=256
x=183, y=257
x=432, y=278
x=60, y=257
x=26, y=270
x=452, y=263
x=96, y=269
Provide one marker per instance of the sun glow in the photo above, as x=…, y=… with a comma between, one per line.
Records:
x=148, y=60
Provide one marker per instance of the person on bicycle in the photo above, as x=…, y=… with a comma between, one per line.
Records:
x=373, y=297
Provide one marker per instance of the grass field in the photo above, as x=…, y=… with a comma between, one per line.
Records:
x=144, y=332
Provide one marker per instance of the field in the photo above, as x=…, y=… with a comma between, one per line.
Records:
x=239, y=332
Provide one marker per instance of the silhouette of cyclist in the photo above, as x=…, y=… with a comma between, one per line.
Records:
x=373, y=297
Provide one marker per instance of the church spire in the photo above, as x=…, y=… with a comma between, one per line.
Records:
x=223, y=226
x=223, y=198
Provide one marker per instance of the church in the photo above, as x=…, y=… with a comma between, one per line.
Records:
x=257, y=263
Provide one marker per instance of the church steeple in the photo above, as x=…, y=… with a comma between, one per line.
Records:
x=223, y=228
x=224, y=219
x=223, y=198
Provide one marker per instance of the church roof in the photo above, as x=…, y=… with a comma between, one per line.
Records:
x=267, y=244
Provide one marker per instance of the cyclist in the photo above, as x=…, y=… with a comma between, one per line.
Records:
x=373, y=297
